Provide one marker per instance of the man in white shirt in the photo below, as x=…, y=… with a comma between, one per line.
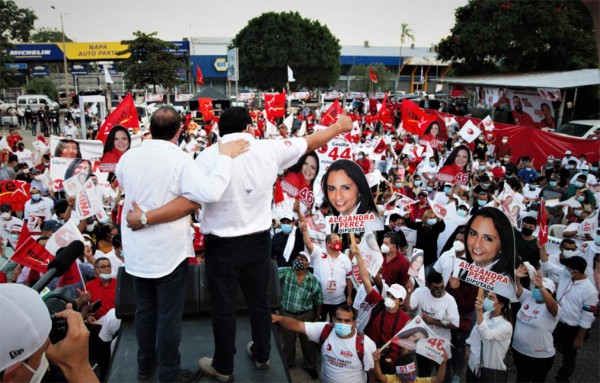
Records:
x=159, y=267
x=342, y=361
x=438, y=309
x=38, y=205
x=236, y=228
x=70, y=129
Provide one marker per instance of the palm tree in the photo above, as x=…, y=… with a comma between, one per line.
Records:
x=405, y=33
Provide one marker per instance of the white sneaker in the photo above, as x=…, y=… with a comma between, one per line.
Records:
x=207, y=368
x=261, y=366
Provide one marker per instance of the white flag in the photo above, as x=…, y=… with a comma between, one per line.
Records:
x=302, y=130
x=469, y=131
x=64, y=236
x=4, y=143
x=451, y=121
x=290, y=75
x=271, y=129
x=488, y=124
x=289, y=122
x=107, y=78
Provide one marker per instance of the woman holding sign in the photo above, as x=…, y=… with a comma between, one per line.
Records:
x=347, y=192
x=457, y=167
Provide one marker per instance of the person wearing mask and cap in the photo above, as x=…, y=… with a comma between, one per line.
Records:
x=585, y=170
x=286, y=244
x=44, y=163
x=527, y=173
x=568, y=157
x=578, y=299
x=301, y=299
x=70, y=129
x=386, y=316
x=533, y=345
x=38, y=182
x=577, y=229
x=27, y=350
x=38, y=205
x=580, y=191
x=8, y=220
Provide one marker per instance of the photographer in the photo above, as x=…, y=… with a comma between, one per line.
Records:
x=27, y=325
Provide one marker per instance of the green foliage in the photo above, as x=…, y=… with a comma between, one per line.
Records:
x=41, y=85
x=362, y=81
x=15, y=25
x=150, y=63
x=492, y=36
x=48, y=35
x=272, y=41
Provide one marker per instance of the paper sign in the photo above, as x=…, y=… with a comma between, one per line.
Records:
x=432, y=348
x=354, y=223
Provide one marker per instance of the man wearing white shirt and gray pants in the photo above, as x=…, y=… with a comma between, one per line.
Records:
x=159, y=266
x=236, y=228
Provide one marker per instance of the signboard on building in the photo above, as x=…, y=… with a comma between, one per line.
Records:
x=36, y=52
x=105, y=50
x=220, y=64
x=78, y=69
x=39, y=70
x=182, y=48
x=233, y=66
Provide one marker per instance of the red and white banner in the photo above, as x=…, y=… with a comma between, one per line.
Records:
x=275, y=105
x=33, y=255
x=469, y=131
x=63, y=237
x=354, y=223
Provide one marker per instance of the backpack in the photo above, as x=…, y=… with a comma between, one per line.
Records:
x=360, y=341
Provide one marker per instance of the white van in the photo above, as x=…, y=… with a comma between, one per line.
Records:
x=36, y=102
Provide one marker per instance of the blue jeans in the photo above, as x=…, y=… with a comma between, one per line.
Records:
x=243, y=260
x=159, y=309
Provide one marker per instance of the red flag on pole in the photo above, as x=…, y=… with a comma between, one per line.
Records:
x=205, y=107
x=72, y=276
x=275, y=105
x=372, y=75
x=199, y=77
x=15, y=193
x=125, y=115
x=542, y=223
x=331, y=115
x=415, y=120
x=32, y=255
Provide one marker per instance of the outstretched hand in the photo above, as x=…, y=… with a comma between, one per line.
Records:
x=134, y=217
x=233, y=148
x=345, y=123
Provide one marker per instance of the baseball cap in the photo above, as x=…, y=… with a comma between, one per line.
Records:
x=568, y=152
x=397, y=291
x=585, y=167
x=287, y=215
x=304, y=254
x=51, y=225
x=27, y=317
x=575, y=263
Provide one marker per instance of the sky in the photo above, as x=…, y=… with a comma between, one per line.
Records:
x=351, y=21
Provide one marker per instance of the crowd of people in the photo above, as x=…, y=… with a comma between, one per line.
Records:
x=371, y=250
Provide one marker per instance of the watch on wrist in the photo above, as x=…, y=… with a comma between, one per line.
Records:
x=143, y=219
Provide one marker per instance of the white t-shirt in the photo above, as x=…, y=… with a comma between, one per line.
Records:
x=43, y=208
x=443, y=309
x=332, y=274
x=533, y=328
x=26, y=156
x=340, y=361
x=445, y=264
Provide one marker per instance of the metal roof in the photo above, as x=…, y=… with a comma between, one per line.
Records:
x=560, y=80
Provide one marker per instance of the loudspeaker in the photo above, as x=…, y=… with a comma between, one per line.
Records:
x=197, y=299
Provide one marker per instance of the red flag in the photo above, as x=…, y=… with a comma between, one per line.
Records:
x=372, y=75
x=205, y=107
x=72, y=276
x=542, y=223
x=331, y=115
x=24, y=236
x=275, y=105
x=380, y=147
x=33, y=255
x=125, y=115
x=15, y=193
x=199, y=77
x=415, y=120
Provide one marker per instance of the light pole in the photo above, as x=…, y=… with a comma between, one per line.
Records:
x=62, y=28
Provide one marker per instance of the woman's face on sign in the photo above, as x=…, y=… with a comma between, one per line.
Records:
x=342, y=192
x=69, y=150
x=483, y=241
x=309, y=168
x=462, y=159
x=82, y=167
x=121, y=141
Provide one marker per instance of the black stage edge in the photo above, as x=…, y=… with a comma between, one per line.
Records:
x=197, y=341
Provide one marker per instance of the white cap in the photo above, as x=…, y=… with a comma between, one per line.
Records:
x=287, y=215
x=568, y=152
x=25, y=323
x=304, y=254
x=397, y=291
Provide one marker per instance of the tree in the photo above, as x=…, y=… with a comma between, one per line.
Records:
x=272, y=41
x=150, y=62
x=492, y=36
x=41, y=85
x=48, y=35
x=15, y=25
x=405, y=33
x=362, y=82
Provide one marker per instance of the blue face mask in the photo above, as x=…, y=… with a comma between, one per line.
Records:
x=481, y=168
x=485, y=186
x=553, y=184
x=418, y=183
x=578, y=184
x=342, y=329
x=398, y=184
x=431, y=221
x=584, y=172
x=596, y=239
x=580, y=198
x=528, y=169
x=429, y=189
x=432, y=164
x=488, y=304
x=532, y=187
x=36, y=197
x=537, y=295
x=447, y=190
x=461, y=213
x=594, y=168
x=286, y=228
x=481, y=202
x=568, y=167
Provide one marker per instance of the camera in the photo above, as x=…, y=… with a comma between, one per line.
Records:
x=56, y=302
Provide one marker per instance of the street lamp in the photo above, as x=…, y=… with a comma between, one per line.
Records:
x=62, y=28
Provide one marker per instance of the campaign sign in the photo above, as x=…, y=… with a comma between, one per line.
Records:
x=432, y=348
x=354, y=223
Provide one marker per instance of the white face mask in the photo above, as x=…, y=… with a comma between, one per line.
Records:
x=5, y=216
x=385, y=249
x=458, y=246
x=569, y=253
x=389, y=303
x=105, y=277
x=90, y=228
x=41, y=370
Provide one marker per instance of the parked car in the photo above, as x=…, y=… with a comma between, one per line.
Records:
x=36, y=102
x=143, y=116
x=586, y=129
x=5, y=106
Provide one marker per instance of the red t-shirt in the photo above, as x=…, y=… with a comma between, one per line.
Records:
x=381, y=335
x=106, y=294
x=396, y=270
x=454, y=174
